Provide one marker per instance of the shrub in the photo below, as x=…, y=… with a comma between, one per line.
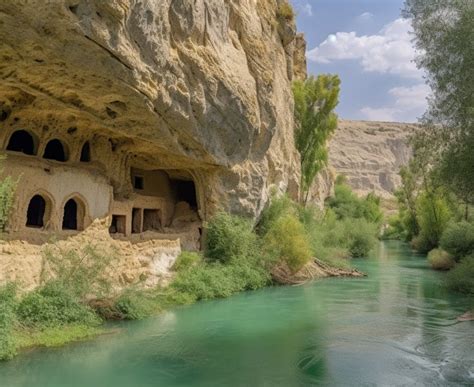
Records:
x=135, y=304
x=8, y=344
x=461, y=278
x=395, y=229
x=440, y=259
x=186, y=260
x=229, y=238
x=81, y=273
x=285, y=10
x=458, y=239
x=278, y=207
x=433, y=215
x=288, y=241
x=53, y=305
x=360, y=235
x=421, y=244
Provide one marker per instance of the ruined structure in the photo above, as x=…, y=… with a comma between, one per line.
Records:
x=155, y=114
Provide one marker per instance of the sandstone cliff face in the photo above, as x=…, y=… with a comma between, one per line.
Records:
x=201, y=85
x=370, y=154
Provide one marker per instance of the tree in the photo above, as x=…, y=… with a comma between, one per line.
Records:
x=315, y=101
x=444, y=35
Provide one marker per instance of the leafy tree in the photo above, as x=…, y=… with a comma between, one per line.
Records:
x=315, y=101
x=444, y=32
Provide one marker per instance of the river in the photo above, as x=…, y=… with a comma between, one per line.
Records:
x=396, y=327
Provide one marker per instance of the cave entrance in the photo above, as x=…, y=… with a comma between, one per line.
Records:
x=22, y=141
x=185, y=191
x=118, y=225
x=151, y=220
x=35, y=215
x=73, y=215
x=55, y=150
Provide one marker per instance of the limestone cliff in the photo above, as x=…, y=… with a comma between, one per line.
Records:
x=370, y=154
x=200, y=85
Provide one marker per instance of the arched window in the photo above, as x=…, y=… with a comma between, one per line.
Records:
x=35, y=216
x=86, y=152
x=55, y=151
x=22, y=141
x=73, y=215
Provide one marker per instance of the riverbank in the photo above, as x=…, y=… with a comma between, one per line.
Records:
x=400, y=317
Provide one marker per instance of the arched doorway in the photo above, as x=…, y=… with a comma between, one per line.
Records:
x=22, y=141
x=73, y=215
x=86, y=152
x=35, y=215
x=55, y=150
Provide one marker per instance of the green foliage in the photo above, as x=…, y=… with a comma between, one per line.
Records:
x=361, y=236
x=433, y=215
x=458, y=239
x=287, y=241
x=315, y=101
x=278, y=207
x=285, y=10
x=229, y=238
x=7, y=192
x=80, y=273
x=135, y=304
x=186, y=260
x=461, y=278
x=217, y=280
x=395, y=229
x=54, y=305
x=346, y=204
x=440, y=259
x=443, y=32
x=8, y=302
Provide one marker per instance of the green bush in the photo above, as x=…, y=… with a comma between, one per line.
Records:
x=186, y=260
x=229, y=238
x=433, y=215
x=440, y=259
x=278, y=207
x=135, y=304
x=8, y=301
x=458, y=239
x=461, y=278
x=395, y=229
x=7, y=192
x=216, y=280
x=53, y=305
x=360, y=235
x=287, y=240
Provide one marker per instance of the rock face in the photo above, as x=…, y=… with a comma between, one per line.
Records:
x=202, y=86
x=370, y=154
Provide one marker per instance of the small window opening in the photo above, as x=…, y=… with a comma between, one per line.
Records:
x=55, y=151
x=70, y=215
x=36, y=211
x=86, y=153
x=151, y=220
x=22, y=141
x=136, y=220
x=138, y=182
x=118, y=224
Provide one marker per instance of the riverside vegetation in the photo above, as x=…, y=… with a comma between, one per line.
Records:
x=75, y=298
x=437, y=192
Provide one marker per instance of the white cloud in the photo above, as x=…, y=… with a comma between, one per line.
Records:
x=366, y=16
x=390, y=51
x=409, y=103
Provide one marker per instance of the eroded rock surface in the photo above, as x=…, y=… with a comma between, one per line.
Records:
x=370, y=154
x=202, y=86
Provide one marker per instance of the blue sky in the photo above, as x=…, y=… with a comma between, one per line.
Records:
x=368, y=44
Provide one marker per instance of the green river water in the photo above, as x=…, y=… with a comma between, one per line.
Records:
x=396, y=327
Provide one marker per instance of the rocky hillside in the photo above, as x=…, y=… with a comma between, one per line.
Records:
x=202, y=85
x=370, y=154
